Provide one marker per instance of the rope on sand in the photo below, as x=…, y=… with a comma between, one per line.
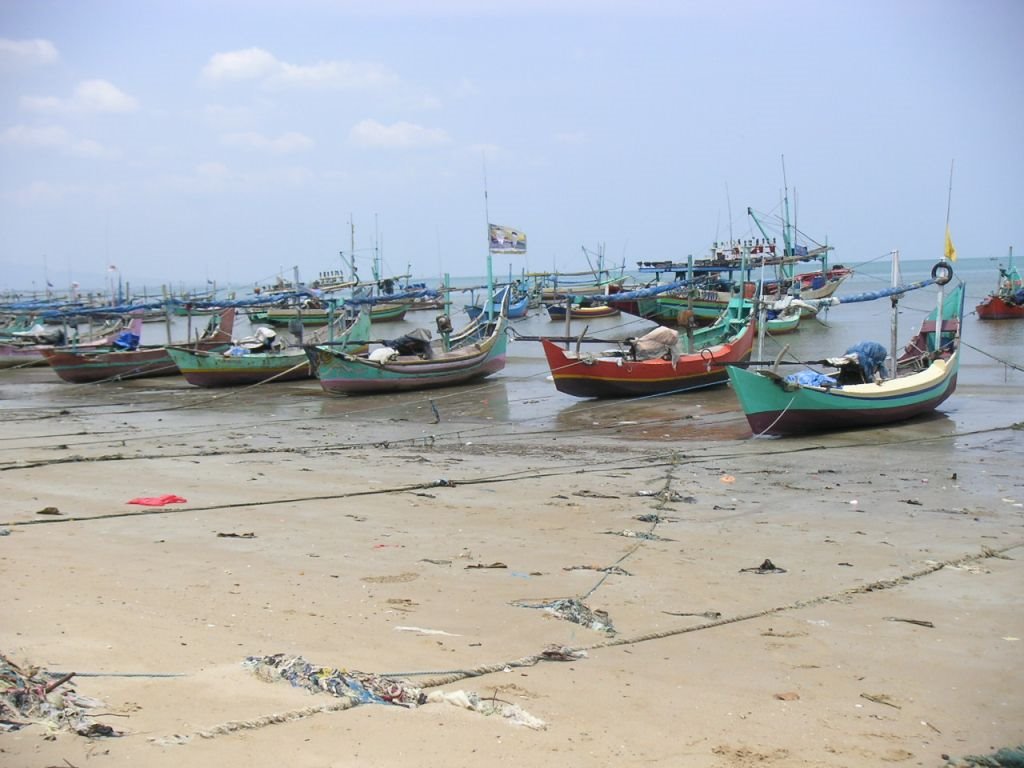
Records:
x=247, y=725
x=566, y=654
x=875, y=586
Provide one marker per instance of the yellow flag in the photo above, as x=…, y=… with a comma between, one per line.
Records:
x=950, y=250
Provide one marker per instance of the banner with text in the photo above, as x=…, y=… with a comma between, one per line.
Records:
x=506, y=239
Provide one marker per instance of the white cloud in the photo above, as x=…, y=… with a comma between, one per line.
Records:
x=286, y=143
x=47, y=192
x=400, y=135
x=214, y=177
x=101, y=96
x=89, y=96
x=250, y=64
x=50, y=137
x=27, y=53
x=263, y=67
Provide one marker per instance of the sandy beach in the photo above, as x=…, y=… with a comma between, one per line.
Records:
x=364, y=534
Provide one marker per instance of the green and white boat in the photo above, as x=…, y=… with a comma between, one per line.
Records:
x=925, y=375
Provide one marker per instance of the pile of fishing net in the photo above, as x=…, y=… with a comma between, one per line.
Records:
x=30, y=696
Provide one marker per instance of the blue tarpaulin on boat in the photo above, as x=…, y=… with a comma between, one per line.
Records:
x=871, y=357
x=812, y=379
x=126, y=341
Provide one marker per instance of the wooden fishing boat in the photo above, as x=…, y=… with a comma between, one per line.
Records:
x=1006, y=302
x=655, y=364
x=581, y=312
x=518, y=307
x=783, y=323
x=22, y=349
x=414, y=361
x=240, y=365
x=319, y=316
x=925, y=376
x=82, y=366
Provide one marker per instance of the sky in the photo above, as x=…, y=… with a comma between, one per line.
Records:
x=186, y=141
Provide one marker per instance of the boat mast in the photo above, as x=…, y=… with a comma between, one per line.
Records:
x=946, y=251
x=895, y=313
x=490, y=274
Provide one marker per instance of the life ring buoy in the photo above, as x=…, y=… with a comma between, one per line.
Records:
x=942, y=273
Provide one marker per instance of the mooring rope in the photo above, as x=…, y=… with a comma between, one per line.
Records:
x=452, y=676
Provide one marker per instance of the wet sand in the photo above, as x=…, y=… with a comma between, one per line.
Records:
x=367, y=516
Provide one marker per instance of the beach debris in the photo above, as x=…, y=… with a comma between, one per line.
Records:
x=158, y=501
x=357, y=687
x=848, y=565
x=667, y=496
x=246, y=535
x=766, y=567
x=442, y=483
x=472, y=701
x=49, y=511
x=638, y=535
x=618, y=571
x=400, y=578
x=913, y=502
x=704, y=614
x=30, y=696
x=655, y=518
x=435, y=562
x=1007, y=757
x=727, y=479
x=576, y=611
x=880, y=698
x=562, y=653
x=5, y=531
x=588, y=494
x=918, y=622
x=486, y=565
x=787, y=696
x=422, y=631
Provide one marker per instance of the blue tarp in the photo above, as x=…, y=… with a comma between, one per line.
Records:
x=126, y=341
x=871, y=357
x=812, y=379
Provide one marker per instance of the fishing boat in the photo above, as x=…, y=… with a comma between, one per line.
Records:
x=661, y=362
x=857, y=391
x=315, y=314
x=254, y=360
x=582, y=311
x=1006, y=302
x=518, y=306
x=416, y=361
x=126, y=360
x=25, y=348
x=551, y=287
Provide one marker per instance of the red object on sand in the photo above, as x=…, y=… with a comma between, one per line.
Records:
x=159, y=501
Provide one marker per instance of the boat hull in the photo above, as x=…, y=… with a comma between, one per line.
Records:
x=607, y=377
x=557, y=312
x=775, y=406
x=211, y=369
x=22, y=356
x=91, y=367
x=379, y=313
x=358, y=377
x=996, y=308
x=86, y=366
x=771, y=409
x=342, y=373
